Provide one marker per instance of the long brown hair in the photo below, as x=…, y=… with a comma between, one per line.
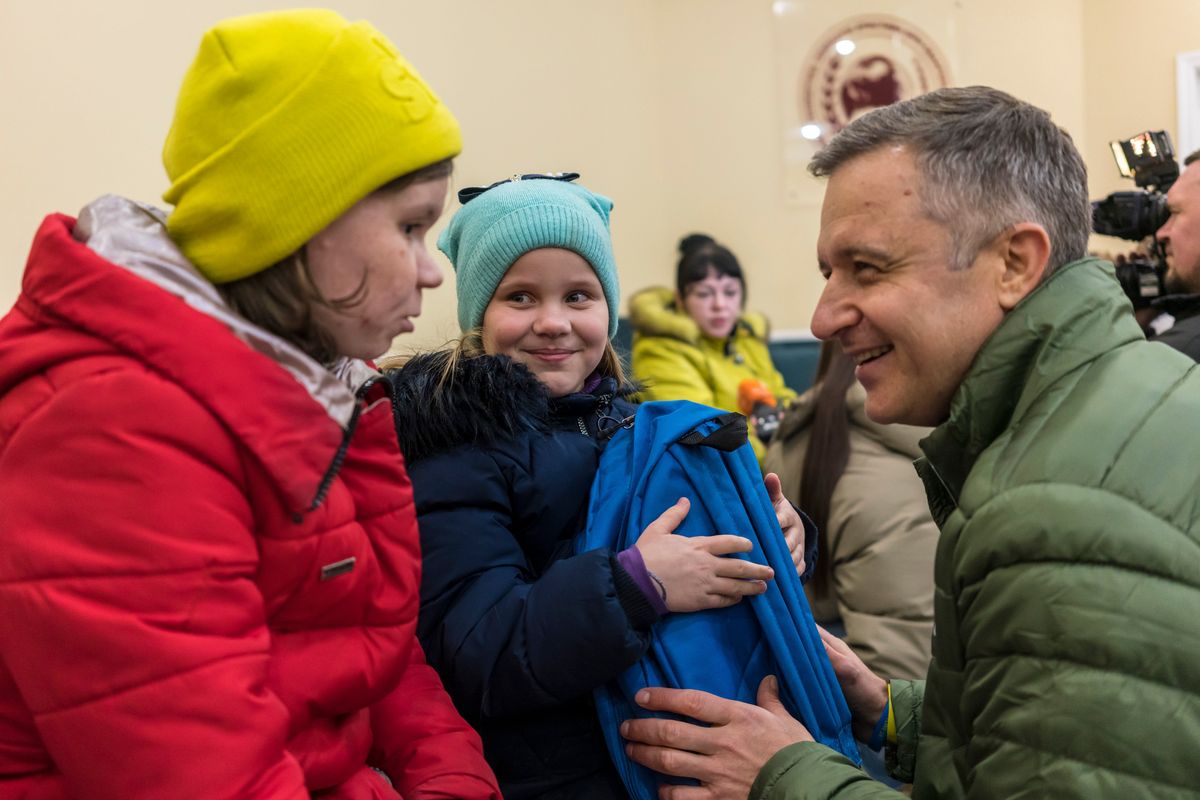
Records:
x=282, y=297
x=828, y=450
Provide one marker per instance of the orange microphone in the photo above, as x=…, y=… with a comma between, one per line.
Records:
x=756, y=402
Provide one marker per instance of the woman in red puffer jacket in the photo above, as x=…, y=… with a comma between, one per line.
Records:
x=209, y=563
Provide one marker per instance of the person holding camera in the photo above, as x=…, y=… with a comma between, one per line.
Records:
x=1180, y=237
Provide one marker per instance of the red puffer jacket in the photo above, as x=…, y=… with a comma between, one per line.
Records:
x=208, y=582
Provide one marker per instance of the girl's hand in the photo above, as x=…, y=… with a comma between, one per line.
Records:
x=789, y=520
x=690, y=570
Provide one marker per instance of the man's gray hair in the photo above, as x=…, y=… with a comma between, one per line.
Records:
x=987, y=161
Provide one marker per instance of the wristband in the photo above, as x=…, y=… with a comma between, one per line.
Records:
x=891, y=718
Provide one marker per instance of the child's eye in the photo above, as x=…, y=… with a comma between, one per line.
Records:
x=520, y=297
x=578, y=297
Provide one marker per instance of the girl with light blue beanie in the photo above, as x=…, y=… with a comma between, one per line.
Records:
x=502, y=434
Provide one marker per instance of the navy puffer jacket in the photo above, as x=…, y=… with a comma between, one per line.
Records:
x=520, y=629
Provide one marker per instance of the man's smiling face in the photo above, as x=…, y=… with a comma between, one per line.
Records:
x=892, y=298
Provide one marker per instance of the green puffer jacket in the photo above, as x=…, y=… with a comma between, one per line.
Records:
x=675, y=362
x=1066, y=483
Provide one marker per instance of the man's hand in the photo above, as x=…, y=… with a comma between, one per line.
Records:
x=866, y=693
x=789, y=520
x=726, y=757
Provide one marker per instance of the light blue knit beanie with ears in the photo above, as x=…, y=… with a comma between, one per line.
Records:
x=497, y=227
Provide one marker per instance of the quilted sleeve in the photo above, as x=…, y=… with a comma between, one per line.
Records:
x=504, y=640
x=129, y=617
x=1076, y=618
x=671, y=370
x=811, y=771
x=901, y=756
x=423, y=744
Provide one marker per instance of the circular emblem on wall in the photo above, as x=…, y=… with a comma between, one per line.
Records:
x=864, y=63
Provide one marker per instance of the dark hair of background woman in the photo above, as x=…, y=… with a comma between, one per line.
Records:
x=828, y=450
x=700, y=255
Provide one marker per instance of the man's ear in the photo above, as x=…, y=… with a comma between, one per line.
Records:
x=1025, y=248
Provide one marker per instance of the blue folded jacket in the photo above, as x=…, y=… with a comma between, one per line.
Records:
x=682, y=449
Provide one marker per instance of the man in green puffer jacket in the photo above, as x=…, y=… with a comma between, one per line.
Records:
x=1063, y=473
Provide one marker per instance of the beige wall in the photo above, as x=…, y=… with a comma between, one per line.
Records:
x=723, y=127
x=668, y=106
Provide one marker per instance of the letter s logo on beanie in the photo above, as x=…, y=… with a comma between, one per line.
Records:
x=402, y=84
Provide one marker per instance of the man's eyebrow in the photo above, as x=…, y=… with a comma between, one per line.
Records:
x=854, y=252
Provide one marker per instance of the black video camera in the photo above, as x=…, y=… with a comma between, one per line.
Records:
x=1148, y=158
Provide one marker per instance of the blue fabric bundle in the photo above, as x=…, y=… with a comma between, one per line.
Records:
x=682, y=449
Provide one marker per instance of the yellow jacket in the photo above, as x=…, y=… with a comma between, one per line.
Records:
x=674, y=361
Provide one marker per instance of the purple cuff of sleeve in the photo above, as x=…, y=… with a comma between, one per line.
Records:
x=631, y=561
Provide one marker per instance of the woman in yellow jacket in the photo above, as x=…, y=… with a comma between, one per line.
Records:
x=697, y=342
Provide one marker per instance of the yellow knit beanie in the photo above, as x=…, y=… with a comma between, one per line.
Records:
x=285, y=120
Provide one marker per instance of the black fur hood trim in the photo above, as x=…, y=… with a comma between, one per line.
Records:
x=488, y=399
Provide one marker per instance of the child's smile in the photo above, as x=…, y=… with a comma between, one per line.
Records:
x=549, y=313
